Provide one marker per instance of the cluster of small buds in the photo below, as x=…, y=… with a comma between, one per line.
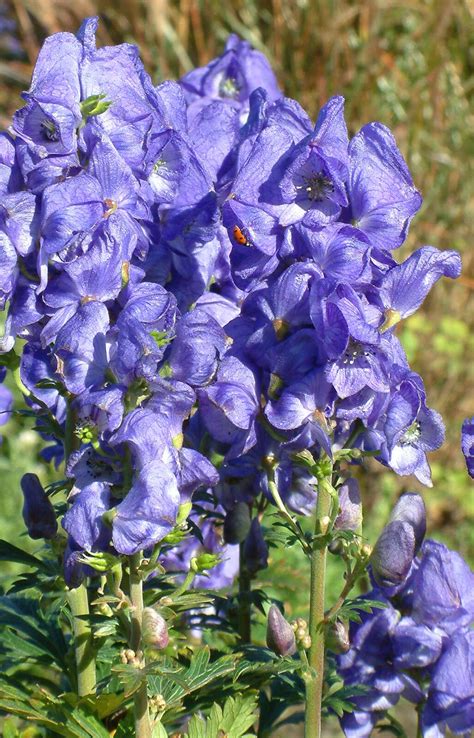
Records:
x=157, y=703
x=129, y=656
x=300, y=628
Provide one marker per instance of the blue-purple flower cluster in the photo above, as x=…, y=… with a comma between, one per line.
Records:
x=420, y=647
x=199, y=272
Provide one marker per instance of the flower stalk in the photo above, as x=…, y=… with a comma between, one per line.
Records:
x=315, y=678
x=244, y=620
x=83, y=647
x=141, y=708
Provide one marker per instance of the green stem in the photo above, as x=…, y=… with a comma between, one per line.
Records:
x=244, y=623
x=84, y=651
x=272, y=486
x=142, y=717
x=314, y=682
x=419, y=729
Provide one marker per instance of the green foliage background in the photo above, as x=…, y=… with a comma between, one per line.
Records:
x=409, y=64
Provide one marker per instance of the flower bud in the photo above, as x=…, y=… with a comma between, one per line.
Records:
x=410, y=508
x=393, y=554
x=280, y=636
x=237, y=523
x=350, y=516
x=399, y=541
x=337, y=637
x=203, y=562
x=38, y=512
x=255, y=549
x=155, y=630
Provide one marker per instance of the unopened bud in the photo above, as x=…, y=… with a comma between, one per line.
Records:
x=300, y=634
x=393, y=554
x=410, y=508
x=280, y=636
x=166, y=601
x=38, y=512
x=399, y=541
x=203, y=562
x=350, y=516
x=255, y=549
x=237, y=523
x=155, y=630
x=337, y=637
x=306, y=642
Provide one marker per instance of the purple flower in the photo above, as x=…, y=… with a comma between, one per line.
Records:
x=382, y=211
x=406, y=285
x=350, y=506
x=411, y=429
x=467, y=444
x=229, y=406
x=443, y=589
x=232, y=76
x=450, y=703
x=148, y=512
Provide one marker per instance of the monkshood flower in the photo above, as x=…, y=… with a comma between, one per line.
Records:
x=179, y=557
x=467, y=444
x=370, y=663
x=428, y=641
x=450, y=703
x=231, y=77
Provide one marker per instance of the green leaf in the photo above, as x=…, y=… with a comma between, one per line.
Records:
x=233, y=721
x=9, y=552
x=175, y=682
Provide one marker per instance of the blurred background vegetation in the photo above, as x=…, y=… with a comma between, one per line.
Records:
x=409, y=64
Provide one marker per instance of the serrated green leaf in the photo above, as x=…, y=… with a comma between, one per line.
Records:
x=233, y=721
x=9, y=552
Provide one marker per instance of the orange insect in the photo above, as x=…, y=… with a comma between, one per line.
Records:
x=240, y=237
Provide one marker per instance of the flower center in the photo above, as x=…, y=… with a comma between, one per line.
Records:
x=111, y=206
x=316, y=187
x=49, y=130
x=411, y=435
x=229, y=87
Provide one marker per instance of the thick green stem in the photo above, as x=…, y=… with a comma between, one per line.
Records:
x=314, y=682
x=78, y=599
x=244, y=599
x=84, y=651
x=142, y=717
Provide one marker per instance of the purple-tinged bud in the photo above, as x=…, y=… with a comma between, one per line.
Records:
x=255, y=549
x=38, y=512
x=237, y=523
x=74, y=569
x=280, y=636
x=393, y=554
x=399, y=541
x=337, y=637
x=467, y=444
x=410, y=508
x=155, y=630
x=350, y=516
